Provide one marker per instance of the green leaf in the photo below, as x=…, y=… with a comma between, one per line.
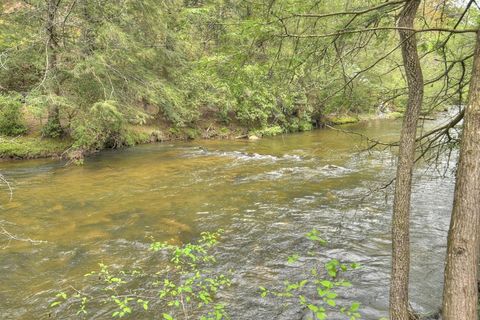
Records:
x=331, y=295
x=294, y=258
x=344, y=284
x=167, y=316
x=354, y=307
x=62, y=295
x=312, y=307
x=321, y=292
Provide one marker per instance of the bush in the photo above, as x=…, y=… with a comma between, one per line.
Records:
x=11, y=117
x=269, y=131
x=317, y=290
x=183, y=286
x=103, y=126
x=52, y=129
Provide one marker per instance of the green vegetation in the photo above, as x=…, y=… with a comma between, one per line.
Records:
x=11, y=120
x=324, y=285
x=80, y=76
x=32, y=147
x=87, y=72
x=185, y=288
x=343, y=120
x=181, y=288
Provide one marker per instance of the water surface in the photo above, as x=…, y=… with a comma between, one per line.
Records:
x=266, y=194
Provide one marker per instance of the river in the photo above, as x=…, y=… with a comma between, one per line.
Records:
x=265, y=194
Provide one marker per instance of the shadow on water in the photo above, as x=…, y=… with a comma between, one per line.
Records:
x=266, y=194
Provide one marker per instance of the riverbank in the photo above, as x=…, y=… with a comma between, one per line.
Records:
x=33, y=145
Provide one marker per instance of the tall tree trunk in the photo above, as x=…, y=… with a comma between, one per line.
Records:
x=399, y=306
x=460, y=293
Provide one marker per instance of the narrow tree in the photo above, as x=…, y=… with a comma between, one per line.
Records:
x=399, y=307
x=53, y=127
x=460, y=295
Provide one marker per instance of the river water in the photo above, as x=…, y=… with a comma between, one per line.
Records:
x=265, y=194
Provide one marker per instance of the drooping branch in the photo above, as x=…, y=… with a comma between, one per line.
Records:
x=356, y=31
x=345, y=13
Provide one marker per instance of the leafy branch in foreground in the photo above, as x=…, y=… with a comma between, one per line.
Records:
x=183, y=288
x=317, y=292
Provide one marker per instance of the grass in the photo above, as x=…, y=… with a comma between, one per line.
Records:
x=29, y=147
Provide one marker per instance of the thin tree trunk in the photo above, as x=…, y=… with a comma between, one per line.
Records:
x=88, y=31
x=53, y=123
x=399, y=306
x=460, y=293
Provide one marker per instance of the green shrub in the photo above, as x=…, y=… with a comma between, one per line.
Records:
x=52, y=129
x=184, y=286
x=269, y=131
x=11, y=117
x=103, y=126
x=298, y=125
x=318, y=288
x=255, y=108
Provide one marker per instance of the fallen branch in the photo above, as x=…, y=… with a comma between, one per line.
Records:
x=5, y=181
x=12, y=237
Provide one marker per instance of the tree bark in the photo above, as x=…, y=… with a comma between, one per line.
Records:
x=88, y=28
x=53, y=123
x=460, y=293
x=399, y=306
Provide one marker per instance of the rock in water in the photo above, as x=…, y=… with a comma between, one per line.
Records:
x=253, y=137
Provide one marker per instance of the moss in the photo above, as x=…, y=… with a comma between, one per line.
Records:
x=31, y=147
x=342, y=119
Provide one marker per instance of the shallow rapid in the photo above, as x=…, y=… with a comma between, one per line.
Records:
x=265, y=194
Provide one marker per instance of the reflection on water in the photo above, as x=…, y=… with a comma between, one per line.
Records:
x=266, y=194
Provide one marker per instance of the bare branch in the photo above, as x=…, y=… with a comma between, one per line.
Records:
x=12, y=237
x=7, y=183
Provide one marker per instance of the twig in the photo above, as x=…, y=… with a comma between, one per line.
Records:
x=10, y=236
x=5, y=181
x=375, y=142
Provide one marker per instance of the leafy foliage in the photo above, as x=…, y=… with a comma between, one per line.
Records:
x=11, y=117
x=229, y=61
x=323, y=283
x=183, y=286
